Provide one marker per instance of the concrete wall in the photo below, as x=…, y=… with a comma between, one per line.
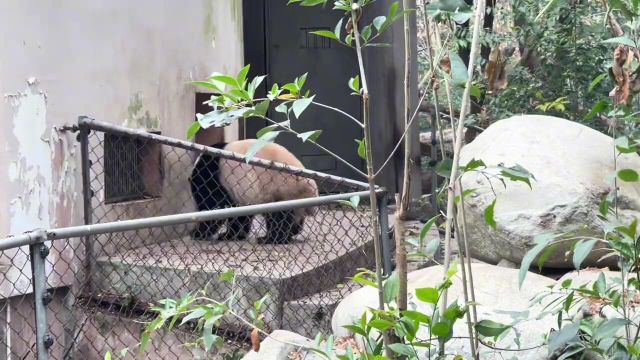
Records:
x=124, y=62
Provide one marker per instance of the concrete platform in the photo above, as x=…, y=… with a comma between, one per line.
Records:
x=332, y=246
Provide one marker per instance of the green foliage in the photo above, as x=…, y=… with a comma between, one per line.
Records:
x=234, y=98
x=565, y=43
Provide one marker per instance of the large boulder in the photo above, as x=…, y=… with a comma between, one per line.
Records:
x=572, y=165
x=499, y=299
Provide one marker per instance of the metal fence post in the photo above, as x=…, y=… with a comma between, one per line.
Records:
x=87, y=194
x=387, y=248
x=38, y=253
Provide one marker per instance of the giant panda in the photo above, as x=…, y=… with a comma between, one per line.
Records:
x=219, y=183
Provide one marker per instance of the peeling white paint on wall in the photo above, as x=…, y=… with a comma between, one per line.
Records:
x=32, y=170
x=63, y=154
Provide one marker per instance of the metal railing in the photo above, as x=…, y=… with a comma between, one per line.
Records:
x=92, y=286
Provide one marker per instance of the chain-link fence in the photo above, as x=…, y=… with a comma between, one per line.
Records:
x=152, y=232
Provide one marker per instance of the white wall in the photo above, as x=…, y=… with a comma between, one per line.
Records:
x=62, y=59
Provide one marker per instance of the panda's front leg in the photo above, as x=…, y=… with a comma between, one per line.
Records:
x=279, y=227
x=205, y=230
x=237, y=228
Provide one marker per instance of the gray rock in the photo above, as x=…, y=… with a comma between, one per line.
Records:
x=570, y=162
x=499, y=299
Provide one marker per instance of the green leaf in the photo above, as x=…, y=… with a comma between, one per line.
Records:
x=417, y=316
x=259, y=110
x=270, y=128
x=381, y=324
x=625, y=146
x=206, y=85
x=628, y=175
x=516, y=173
x=379, y=21
x=300, y=105
x=356, y=330
x=226, y=80
x=260, y=303
x=542, y=241
x=242, y=75
x=474, y=164
x=601, y=285
x=326, y=33
x=265, y=139
x=354, y=84
x=491, y=328
x=568, y=302
x=193, y=130
x=440, y=329
x=609, y=328
x=465, y=193
x=489, y=215
x=227, y=276
x=310, y=135
x=403, y=349
x=391, y=287
x=560, y=338
x=362, y=148
x=208, y=337
x=432, y=247
x=443, y=168
x=362, y=280
x=218, y=118
x=476, y=92
x=195, y=314
x=428, y=295
x=427, y=226
x=581, y=251
x=597, y=109
x=338, y=30
x=622, y=40
x=597, y=81
x=107, y=356
x=458, y=69
x=352, y=203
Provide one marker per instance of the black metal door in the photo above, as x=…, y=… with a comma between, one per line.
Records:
x=290, y=50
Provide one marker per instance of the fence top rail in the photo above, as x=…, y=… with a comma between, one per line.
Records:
x=39, y=236
x=92, y=124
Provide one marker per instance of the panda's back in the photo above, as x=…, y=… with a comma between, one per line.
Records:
x=250, y=184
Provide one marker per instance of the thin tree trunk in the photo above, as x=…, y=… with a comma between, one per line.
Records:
x=403, y=206
x=477, y=27
x=373, y=199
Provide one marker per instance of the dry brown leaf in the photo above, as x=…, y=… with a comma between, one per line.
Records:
x=622, y=92
x=255, y=340
x=445, y=65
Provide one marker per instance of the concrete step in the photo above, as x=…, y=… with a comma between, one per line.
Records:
x=329, y=251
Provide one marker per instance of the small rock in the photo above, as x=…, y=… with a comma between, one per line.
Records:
x=507, y=264
x=279, y=345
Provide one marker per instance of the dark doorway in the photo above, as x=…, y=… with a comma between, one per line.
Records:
x=278, y=43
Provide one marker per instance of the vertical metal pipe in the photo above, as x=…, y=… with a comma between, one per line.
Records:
x=387, y=247
x=87, y=195
x=38, y=253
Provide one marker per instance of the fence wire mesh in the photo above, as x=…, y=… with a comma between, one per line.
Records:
x=103, y=286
